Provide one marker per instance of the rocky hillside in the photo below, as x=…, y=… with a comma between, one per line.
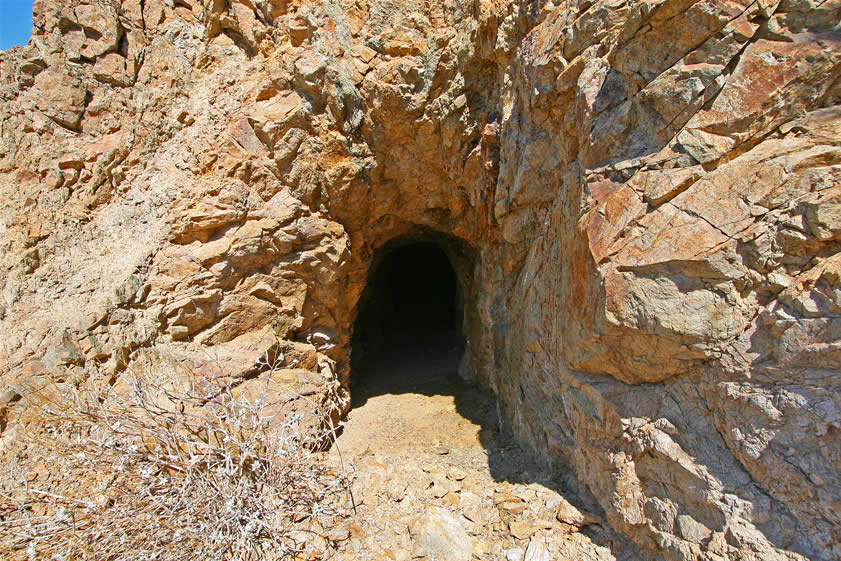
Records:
x=641, y=199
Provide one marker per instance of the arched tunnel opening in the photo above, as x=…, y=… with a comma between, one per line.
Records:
x=409, y=328
x=412, y=385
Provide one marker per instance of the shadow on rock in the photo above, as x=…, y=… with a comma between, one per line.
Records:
x=427, y=364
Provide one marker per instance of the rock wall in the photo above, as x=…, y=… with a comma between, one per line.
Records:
x=642, y=200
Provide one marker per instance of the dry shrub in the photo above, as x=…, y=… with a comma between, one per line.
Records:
x=168, y=465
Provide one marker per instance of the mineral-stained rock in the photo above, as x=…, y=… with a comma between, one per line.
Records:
x=640, y=200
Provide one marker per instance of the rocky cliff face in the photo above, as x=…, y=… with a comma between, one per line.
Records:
x=642, y=200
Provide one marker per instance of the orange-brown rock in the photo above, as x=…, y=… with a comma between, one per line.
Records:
x=640, y=199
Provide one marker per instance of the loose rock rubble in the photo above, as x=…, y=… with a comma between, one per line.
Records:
x=437, y=479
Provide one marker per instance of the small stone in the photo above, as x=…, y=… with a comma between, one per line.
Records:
x=537, y=551
x=68, y=161
x=356, y=530
x=54, y=179
x=439, y=491
x=455, y=474
x=442, y=537
x=514, y=506
x=102, y=500
x=521, y=529
x=8, y=396
x=542, y=524
x=527, y=495
x=553, y=502
x=471, y=506
x=339, y=534
x=480, y=549
x=396, y=490
x=365, y=53
x=513, y=554
x=568, y=514
x=185, y=118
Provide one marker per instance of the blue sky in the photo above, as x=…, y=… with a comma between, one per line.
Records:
x=15, y=22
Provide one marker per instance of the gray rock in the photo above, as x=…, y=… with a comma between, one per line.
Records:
x=692, y=530
x=442, y=537
x=537, y=551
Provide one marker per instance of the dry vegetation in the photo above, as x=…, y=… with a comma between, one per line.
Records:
x=167, y=464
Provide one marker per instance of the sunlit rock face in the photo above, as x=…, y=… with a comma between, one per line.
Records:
x=641, y=201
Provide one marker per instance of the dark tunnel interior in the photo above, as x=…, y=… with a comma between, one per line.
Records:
x=409, y=317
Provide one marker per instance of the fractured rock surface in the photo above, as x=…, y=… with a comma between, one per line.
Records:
x=641, y=200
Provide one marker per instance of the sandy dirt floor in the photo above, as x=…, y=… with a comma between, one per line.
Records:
x=436, y=476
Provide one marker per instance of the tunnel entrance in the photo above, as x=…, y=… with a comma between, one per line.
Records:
x=408, y=331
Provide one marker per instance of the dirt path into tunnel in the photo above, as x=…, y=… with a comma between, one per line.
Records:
x=436, y=479
x=410, y=405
